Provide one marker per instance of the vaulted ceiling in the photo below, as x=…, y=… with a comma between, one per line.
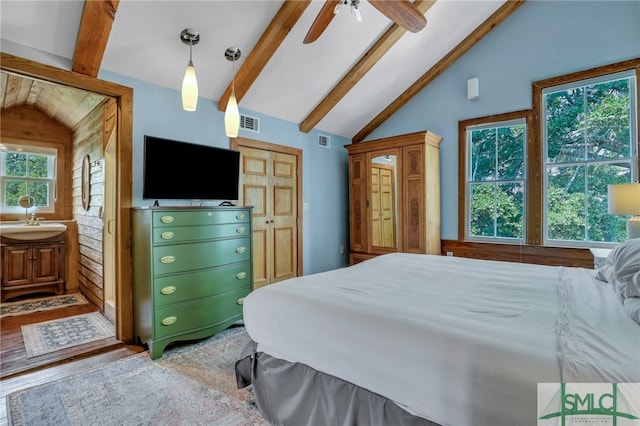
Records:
x=348, y=82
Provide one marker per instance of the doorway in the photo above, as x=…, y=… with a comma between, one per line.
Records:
x=271, y=182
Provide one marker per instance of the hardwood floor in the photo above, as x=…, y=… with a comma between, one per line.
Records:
x=18, y=372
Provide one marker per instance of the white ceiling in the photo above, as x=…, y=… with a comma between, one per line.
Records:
x=144, y=44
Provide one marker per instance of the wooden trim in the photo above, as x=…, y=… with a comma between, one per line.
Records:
x=526, y=253
x=423, y=136
x=236, y=143
x=462, y=158
x=124, y=98
x=93, y=35
x=535, y=202
x=265, y=48
x=359, y=70
x=483, y=29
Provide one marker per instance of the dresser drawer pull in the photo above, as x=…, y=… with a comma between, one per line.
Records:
x=240, y=216
x=170, y=289
x=241, y=250
x=241, y=275
x=167, y=235
x=168, y=259
x=240, y=229
x=209, y=214
x=240, y=301
x=167, y=219
x=169, y=320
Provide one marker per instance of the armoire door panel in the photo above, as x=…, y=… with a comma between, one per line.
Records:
x=284, y=266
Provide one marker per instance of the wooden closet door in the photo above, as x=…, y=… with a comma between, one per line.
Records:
x=268, y=182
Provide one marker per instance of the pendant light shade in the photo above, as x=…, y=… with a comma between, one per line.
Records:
x=231, y=113
x=190, y=89
x=190, y=84
x=232, y=117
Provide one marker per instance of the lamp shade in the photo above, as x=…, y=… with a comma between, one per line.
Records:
x=624, y=199
x=232, y=117
x=189, y=89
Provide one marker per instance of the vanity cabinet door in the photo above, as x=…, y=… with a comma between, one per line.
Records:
x=16, y=265
x=46, y=262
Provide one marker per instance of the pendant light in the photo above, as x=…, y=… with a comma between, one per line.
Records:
x=190, y=37
x=232, y=114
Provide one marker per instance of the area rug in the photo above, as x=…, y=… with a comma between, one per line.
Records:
x=30, y=306
x=192, y=384
x=50, y=336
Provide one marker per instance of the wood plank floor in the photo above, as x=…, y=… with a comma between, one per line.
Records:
x=18, y=372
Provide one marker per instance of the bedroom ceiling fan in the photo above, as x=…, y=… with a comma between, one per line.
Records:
x=402, y=12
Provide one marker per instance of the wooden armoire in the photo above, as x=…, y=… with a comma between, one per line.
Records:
x=394, y=195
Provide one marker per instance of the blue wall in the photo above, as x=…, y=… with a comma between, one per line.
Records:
x=541, y=39
x=158, y=111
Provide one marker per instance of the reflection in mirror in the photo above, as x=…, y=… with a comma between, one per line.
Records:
x=383, y=201
x=26, y=202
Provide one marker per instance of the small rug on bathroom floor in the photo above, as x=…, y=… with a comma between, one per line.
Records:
x=30, y=306
x=50, y=336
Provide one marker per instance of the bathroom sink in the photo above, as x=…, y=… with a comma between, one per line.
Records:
x=20, y=231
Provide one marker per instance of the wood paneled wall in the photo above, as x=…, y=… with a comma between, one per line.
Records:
x=88, y=140
x=554, y=256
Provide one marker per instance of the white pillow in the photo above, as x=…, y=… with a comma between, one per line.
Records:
x=625, y=262
x=632, y=306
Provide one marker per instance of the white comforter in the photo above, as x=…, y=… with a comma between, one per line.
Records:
x=456, y=341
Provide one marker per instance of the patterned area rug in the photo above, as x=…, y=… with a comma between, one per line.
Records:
x=30, y=306
x=191, y=384
x=50, y=336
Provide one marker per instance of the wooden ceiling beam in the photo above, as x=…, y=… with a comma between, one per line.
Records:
x=265, y=48
x=359, y=70
x=483, y=29
x=95, y=27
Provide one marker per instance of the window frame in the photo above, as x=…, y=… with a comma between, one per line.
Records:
x=495, y=125
x=537, y=219
x=52, y=180
x=463, y=157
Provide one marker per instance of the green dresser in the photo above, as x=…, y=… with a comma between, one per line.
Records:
x=192, y=268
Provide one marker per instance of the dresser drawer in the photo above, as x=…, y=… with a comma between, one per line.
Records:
x=177, y=234
x=191, y=316
x=194, y=256
x=197, y=285
x=198, y=217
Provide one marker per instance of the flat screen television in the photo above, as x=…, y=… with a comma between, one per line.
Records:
x=186, y=171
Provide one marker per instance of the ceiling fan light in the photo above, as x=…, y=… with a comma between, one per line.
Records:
x=232, y=117
x=190, y=89
x=358, y=15
x=337, y=8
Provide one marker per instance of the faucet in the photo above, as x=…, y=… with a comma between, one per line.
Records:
x=31, y=221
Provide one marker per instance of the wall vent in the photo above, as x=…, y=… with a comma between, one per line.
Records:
x=324, y=141
x=250, y=123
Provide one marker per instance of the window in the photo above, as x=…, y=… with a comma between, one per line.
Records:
x=589, y=140
x=31, y=173
x=496, y=180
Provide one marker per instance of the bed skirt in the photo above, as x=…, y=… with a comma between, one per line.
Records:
x=289, y=393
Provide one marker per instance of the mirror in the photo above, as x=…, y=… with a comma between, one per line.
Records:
x=86, y=184
x=384, y=201
x=26, y=202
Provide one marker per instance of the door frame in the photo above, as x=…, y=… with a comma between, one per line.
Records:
x=237, y=143
x=124, y=140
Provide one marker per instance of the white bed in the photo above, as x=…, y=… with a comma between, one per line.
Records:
x=455, y=341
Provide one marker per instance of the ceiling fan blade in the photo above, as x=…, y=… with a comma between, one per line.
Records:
x=402, y=12
x=322, y=21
